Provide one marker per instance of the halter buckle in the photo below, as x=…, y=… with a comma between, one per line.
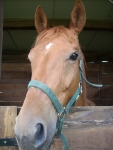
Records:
x=62, y=115
x=80, y=86
x=77, y=97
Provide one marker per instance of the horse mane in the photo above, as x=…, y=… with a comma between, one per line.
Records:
x=55, y=32
x=69, y=35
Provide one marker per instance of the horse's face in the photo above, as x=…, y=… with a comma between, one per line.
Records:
x=54, y=61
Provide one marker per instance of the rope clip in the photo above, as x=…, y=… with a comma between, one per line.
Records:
x=62, y=115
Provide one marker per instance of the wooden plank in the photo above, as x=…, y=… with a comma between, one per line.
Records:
x=14, y=81
x=15, y=77
x=92, y=76
x=15, y=58
x=23, y=67
x=13, y=96
x=106, y=102
x=92, y=67
x=102, y=67
x=88, y=128
x=93, y=94
x=1, y=32
x=11, y=103
x=106, y=67
x=13, y=87
x=7, y=122
x=106, y=96
x=106, y=92
x=106, y=79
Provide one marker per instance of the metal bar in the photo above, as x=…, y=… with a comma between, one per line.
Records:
x=8, y=142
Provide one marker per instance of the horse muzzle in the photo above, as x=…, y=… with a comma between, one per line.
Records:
x=35, y=139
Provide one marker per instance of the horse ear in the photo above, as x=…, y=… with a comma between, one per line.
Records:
x=41, y=22
x=78, y=17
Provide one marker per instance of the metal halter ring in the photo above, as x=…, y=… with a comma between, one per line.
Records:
x=62, y=115
x=80, y=85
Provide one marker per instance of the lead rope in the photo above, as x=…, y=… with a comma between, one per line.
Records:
x=81, y=72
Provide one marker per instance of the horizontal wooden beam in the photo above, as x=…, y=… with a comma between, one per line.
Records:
x=86, y=128
x=21, y=67
x=24, y=24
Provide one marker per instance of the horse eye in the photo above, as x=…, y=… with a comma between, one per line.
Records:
x=74, y=56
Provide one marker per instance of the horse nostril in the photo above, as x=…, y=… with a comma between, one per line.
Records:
x=40, y=135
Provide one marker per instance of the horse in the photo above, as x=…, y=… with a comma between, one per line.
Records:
x=55, y=60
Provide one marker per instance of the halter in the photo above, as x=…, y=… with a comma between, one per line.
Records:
x=62, y=111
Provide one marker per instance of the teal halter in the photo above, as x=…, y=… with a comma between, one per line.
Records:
x=61, y=111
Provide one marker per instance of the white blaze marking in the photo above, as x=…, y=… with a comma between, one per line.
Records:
x=48, y=46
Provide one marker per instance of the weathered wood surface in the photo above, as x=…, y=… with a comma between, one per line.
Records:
x=88, y=128
x=23, y=67
x=7, y=122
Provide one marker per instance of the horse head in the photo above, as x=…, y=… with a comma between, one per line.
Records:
x=55, y=62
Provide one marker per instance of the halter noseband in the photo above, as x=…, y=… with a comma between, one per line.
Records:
x=62, y=111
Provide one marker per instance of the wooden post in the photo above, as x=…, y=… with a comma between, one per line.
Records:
x=1, y=32
x=7, y=122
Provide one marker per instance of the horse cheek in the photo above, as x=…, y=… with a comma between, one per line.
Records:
x=68, y=81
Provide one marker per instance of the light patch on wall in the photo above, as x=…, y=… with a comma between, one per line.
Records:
x=104, y=61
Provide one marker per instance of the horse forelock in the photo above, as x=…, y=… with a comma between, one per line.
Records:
x=56, y=32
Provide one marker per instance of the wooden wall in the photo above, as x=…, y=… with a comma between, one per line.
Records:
x=101, y=96
x=100, y=72
x=16, y=75
x=13, y=85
